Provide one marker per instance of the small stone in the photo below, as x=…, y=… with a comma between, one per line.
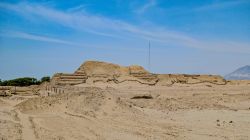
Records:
x=231, y=122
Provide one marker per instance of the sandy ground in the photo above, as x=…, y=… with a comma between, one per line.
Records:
x=99, y=112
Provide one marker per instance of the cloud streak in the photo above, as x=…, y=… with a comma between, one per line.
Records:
x=145, y=7
x=28, y=36
x=220, y=5
x=107, y=27
x=94, y=24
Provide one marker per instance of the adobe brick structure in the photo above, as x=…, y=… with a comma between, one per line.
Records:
x=96, y=71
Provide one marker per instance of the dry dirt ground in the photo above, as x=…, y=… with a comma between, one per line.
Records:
x=130, y=112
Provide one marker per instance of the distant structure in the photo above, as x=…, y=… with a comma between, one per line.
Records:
x=95, y=72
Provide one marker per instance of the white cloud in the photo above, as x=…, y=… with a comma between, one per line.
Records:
x=29, y=36
x=78, y=8
x=118, y=29
x=220, y=5
x=145, y=7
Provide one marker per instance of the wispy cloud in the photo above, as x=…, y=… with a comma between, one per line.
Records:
x=78, y=8
x=43, y=38
x=145, y=7
x=217, y=5
x=220, y=5
x=28, y=36
x=93, y=24
x=103, y=26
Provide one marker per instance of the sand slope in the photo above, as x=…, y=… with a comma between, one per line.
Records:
x=104, y=101
x=182, y=111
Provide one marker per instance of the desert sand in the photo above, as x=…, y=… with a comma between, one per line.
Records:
x=128, y=103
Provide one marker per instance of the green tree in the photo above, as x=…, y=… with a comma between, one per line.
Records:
x=3, y=83
x=45, y=79
x=25, y=81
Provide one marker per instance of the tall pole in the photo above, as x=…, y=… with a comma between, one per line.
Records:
x=149, y=56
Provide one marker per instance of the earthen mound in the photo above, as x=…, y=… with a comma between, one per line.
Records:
x=91, y=101
x=95, y=71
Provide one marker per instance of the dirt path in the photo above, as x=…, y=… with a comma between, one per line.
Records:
x=27, y=130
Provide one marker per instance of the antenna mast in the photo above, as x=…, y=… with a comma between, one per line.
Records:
x=149, y=56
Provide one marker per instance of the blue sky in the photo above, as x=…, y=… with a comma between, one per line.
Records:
x=43, y=37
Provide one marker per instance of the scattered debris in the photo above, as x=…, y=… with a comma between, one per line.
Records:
x=5, y=93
